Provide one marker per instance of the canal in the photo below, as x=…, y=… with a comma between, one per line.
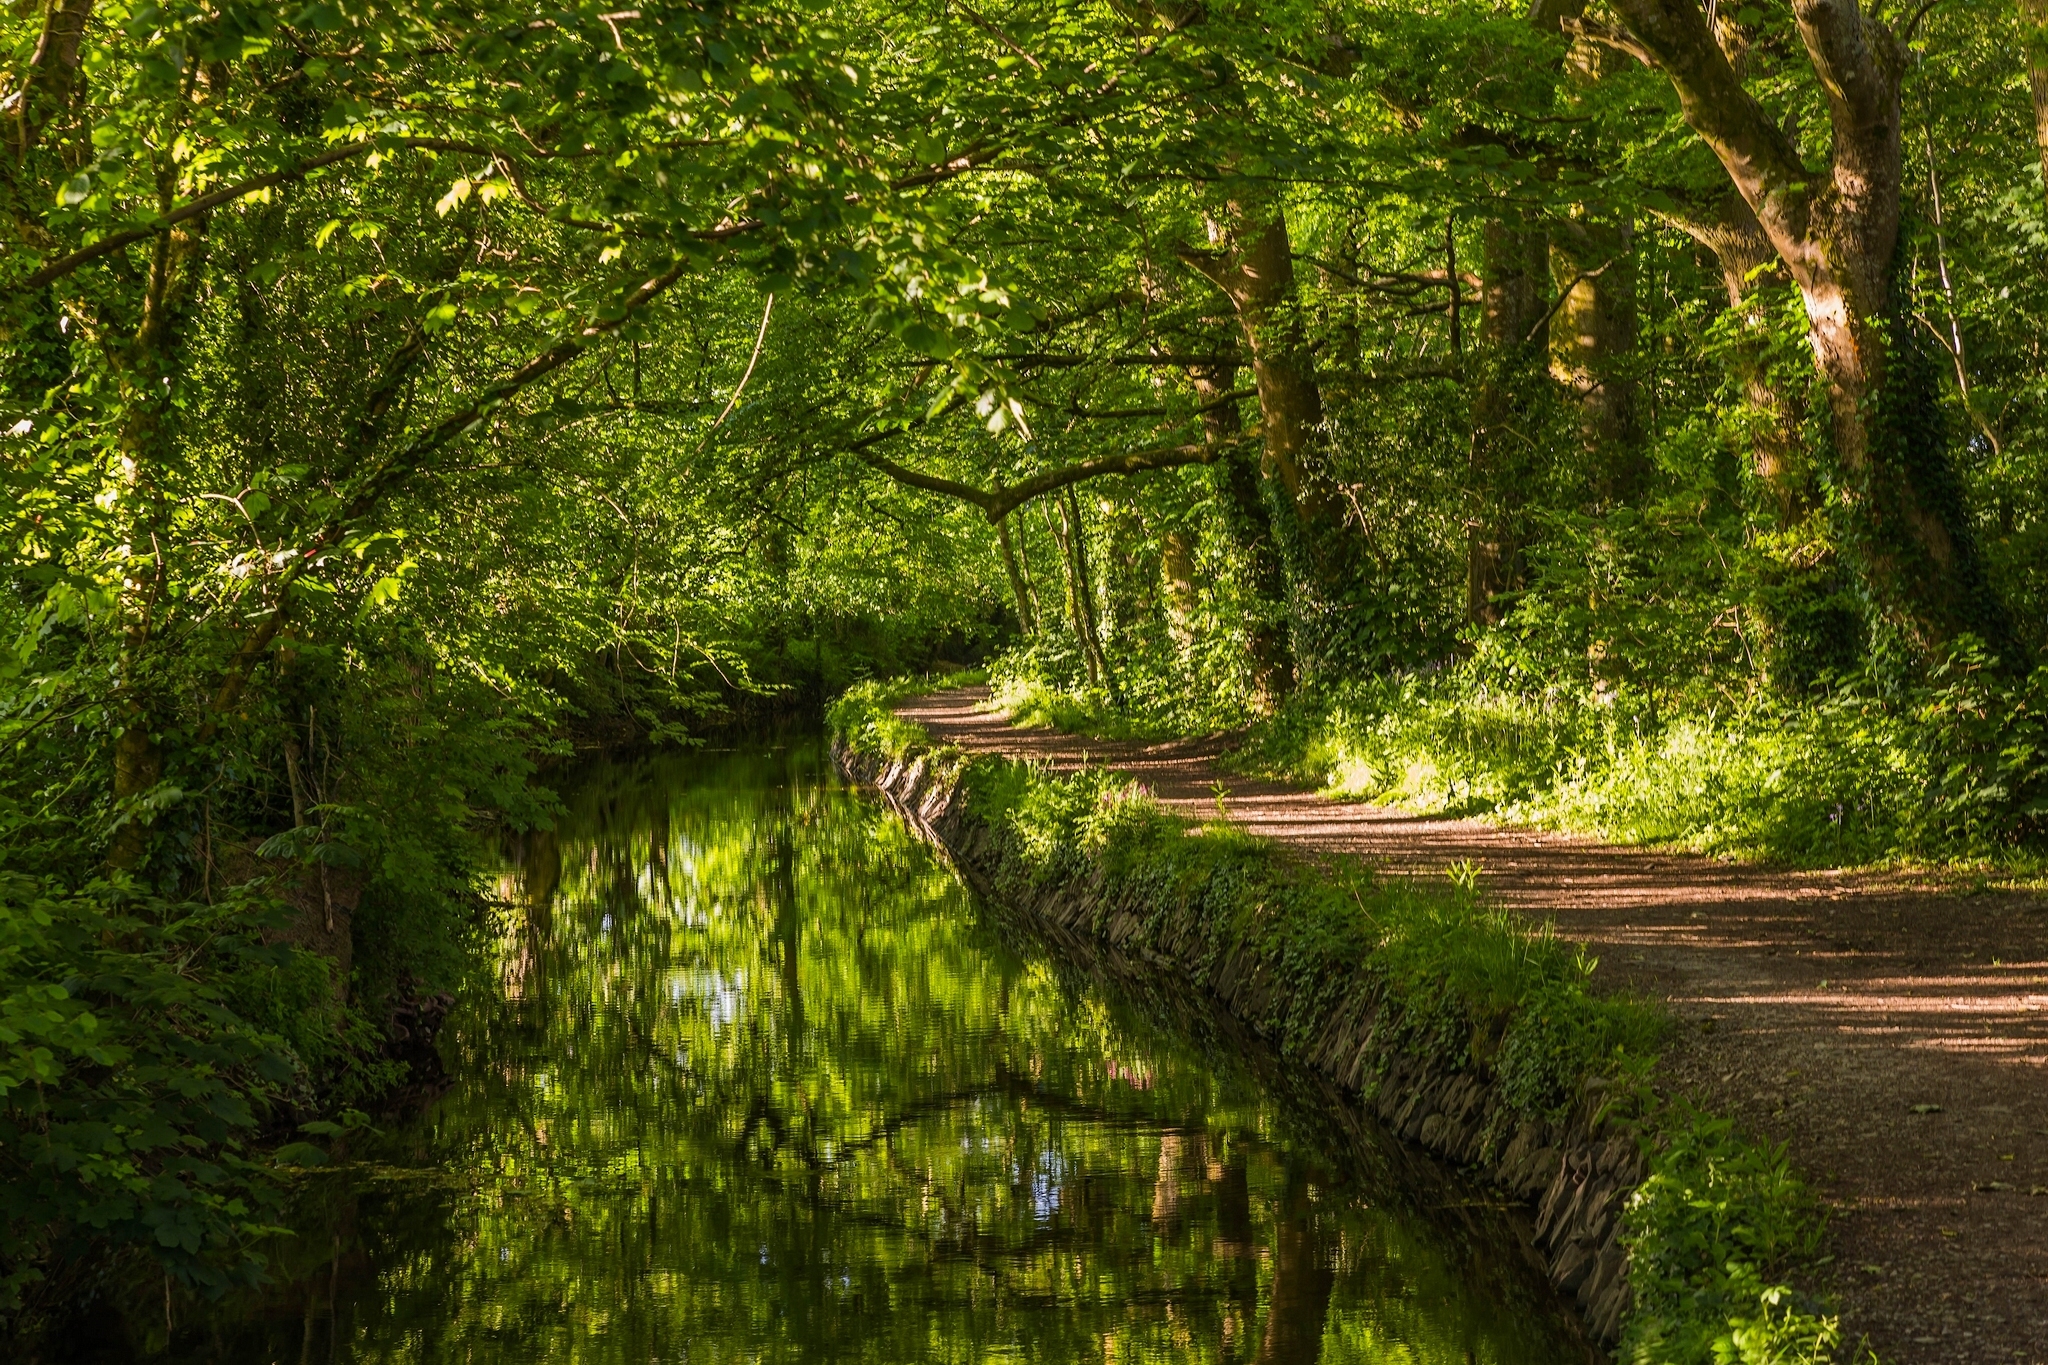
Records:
x=753, y=1079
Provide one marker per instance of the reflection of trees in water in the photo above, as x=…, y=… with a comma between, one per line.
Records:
x=767, y=1086
x=1300, y=1296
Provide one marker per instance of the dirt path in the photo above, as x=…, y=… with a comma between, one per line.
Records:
x=1820, y=1009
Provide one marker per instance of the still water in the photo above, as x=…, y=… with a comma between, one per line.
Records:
x=754, y=1080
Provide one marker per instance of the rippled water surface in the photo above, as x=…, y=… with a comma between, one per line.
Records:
x=755, y=1081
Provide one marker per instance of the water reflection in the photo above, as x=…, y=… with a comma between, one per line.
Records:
x=757, y=1084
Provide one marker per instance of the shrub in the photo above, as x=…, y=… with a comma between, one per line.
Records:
x=131, y=1088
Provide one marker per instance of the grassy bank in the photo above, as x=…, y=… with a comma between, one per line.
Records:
x=1952, y=770
x=1713, y=1233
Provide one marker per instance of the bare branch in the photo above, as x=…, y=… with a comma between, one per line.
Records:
x=1564, y=294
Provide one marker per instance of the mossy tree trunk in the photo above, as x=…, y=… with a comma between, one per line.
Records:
x=1837, y=231
x=1592, y=349
x=1177, y=569
x=1251, y=259
x=1246, y=504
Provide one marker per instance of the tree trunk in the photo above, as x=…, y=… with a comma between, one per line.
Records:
x=1177, y=567
x=1592, y=347
x=50, y=81
x=1593, y=331
x=1025, y=621
x=1805, y=624
x=1513, y=267
x=144, y=368
x=1081, y=593
x=1514, y=274
x=1837, y=233
x=1777, y=458
x=1257, y=274
x=1062, y=533
x=1243, y=497
x=1252, y=262
x=2034, y=30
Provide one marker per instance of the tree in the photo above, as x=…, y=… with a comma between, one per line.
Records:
x=1837, y=231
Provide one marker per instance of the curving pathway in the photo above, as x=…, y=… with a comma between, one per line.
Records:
x=1894, y=1034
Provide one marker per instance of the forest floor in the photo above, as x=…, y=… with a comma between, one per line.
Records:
x=1891, y=1029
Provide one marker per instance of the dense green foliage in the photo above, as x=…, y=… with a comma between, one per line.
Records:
x=1452, y=982
x=393, y=395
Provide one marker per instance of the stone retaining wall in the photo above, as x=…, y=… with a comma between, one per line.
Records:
x=1577, y=1174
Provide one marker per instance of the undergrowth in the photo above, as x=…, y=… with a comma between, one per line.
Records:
x=1036, y=687
x=1457, y=982
x=1031, y=704
x=1950, y=769
x=1953, y=770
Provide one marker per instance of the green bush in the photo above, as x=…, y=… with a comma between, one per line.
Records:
x=131, y=1087
x=862, y=716
x=1711, y=1231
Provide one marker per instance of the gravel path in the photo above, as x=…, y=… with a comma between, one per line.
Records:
x=1894, y=1034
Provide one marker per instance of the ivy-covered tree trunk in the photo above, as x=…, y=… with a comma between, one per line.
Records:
x=1252, y=262
x=1247, y=517
x=1803, y=608
x=1727, y=228
x=1838, y=233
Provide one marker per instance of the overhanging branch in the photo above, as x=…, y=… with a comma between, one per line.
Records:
x=372, y=488
x=227, y=194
